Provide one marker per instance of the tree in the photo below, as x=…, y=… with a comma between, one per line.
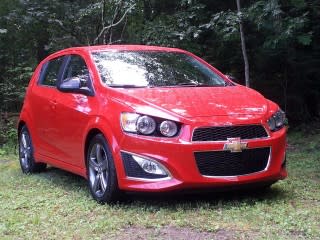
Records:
x=243, y=45
x=281, y=40
x=105, y=29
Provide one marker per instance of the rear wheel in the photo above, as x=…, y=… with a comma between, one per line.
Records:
x=101, y=172
x=27, y=163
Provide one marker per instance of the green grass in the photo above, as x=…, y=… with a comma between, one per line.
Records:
x=57, y=205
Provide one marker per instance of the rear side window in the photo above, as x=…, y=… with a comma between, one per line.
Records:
x=50, y=72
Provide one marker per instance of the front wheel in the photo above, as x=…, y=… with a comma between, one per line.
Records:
x=27, y=162
x=101, y=172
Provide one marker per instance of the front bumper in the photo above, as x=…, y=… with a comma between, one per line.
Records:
x=177, y=156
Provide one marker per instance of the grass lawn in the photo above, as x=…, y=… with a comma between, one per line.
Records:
x=57, y=205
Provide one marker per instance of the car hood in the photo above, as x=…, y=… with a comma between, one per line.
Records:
x=200, y=101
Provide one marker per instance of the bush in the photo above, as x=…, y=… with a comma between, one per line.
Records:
x=8, y=133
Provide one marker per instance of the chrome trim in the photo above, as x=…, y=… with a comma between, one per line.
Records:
x=152, y=160
x=249, y=174
x=222, y=141
x=148, y=179
x=239, y=145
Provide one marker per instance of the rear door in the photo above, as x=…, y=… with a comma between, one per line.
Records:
x=44, y=105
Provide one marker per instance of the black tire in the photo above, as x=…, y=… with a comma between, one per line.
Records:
x=101, y=172
x=27, y=162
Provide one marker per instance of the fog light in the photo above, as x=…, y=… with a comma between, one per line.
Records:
x=150, y=166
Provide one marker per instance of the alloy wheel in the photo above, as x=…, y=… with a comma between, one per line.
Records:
x=25, y=149
x=98, y=169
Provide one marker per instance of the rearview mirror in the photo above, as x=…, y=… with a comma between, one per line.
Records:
x=75, y=85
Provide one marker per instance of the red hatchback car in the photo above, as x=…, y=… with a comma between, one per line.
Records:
x=144, y=118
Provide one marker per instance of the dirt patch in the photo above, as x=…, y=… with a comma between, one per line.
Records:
x=297, y=235
x=170, y=232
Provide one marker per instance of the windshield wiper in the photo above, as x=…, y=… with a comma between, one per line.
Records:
x=196, y=85
x=126, y=86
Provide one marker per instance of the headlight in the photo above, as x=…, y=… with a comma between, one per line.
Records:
x=128, y=121
x=277, y=120
x=168, y=128
x=280, y=118
x=146, y=125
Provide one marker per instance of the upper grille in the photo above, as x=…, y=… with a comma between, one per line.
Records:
x=223, y=133
x=224, y=163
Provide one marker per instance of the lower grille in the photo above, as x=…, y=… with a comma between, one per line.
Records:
x=134, y=170
x=224, y=163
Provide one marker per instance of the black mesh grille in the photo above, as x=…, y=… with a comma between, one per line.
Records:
x=225, y=163
x=133, y=169
x=222, y=133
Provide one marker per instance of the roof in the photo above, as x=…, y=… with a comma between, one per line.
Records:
x=97, y=48
x=124, y=48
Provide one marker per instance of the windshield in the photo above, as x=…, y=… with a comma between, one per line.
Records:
x=153, y=69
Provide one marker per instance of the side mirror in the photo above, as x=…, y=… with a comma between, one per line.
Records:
x=75, y=85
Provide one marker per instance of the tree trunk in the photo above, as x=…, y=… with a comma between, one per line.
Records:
x=243, y=46
x=41, y=49
x=146, y=10
x=103, y=12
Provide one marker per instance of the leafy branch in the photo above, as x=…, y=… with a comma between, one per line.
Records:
x=113, y=24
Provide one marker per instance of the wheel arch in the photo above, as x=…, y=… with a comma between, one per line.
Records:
x=90, y=135
x=102, y=126
x=21, y=123
x=107, y=133
x=25, y=119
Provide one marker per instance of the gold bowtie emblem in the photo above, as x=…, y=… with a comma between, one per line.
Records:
x=235, y=145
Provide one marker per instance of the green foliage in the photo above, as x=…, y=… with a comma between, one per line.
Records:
x=8, y=137
x=282, y=37
x=305, y=39
x=14, y=85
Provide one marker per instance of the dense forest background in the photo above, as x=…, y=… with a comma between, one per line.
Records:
x=282, y=38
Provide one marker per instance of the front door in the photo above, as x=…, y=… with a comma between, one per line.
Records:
x=73, y=113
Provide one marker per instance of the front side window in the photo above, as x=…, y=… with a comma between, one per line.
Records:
x=153, y=69
x=50, y=72
x=77, y=68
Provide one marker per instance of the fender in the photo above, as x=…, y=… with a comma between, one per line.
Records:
x=103, y=125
